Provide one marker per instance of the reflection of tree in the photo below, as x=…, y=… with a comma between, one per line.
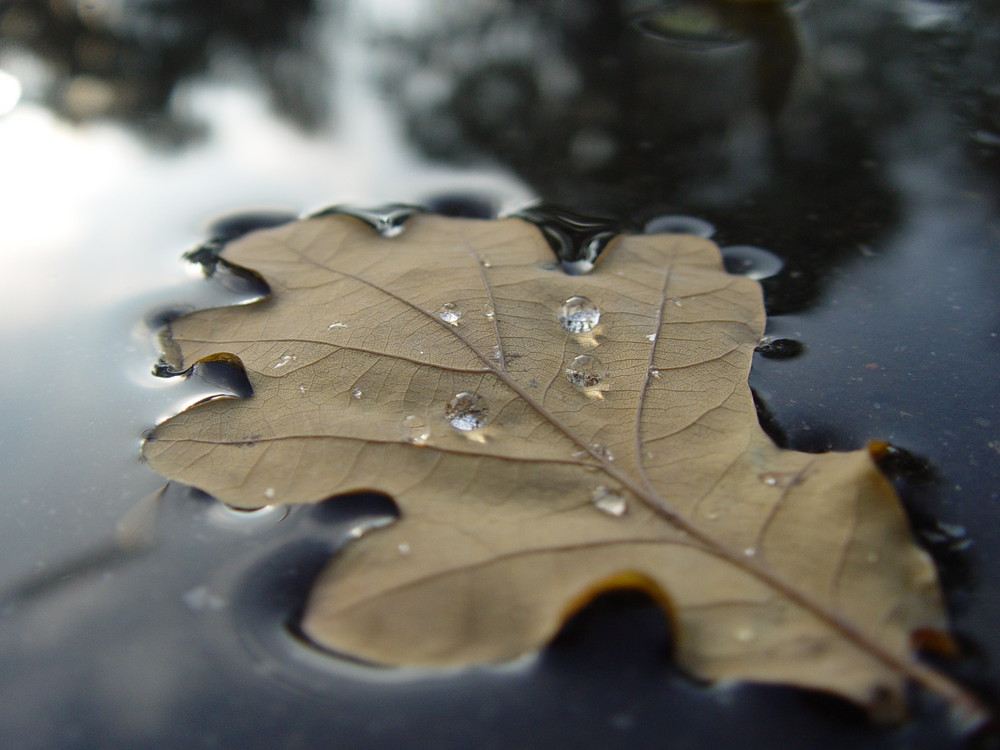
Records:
x=599, y=114
x=124, y=60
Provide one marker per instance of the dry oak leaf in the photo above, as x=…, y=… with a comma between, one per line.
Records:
x=548, y=437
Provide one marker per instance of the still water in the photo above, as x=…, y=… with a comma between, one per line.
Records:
x=847, y=153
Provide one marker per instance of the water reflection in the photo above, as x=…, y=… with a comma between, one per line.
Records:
x=607, y=110
x=127, y=61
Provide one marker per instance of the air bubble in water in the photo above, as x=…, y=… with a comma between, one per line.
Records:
x=450, y=313
x=609, y=501
x=679, y=224
x=467, y=411
x=753, y=262
x=579, y=315
x=585, y=371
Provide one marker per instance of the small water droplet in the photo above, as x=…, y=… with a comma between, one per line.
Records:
x=450, y=313
x=488, y=310
x=779, y=478
x=602, y=452
x=415, y=430
x=404, y=548
x=713, y=515
x=609, y=501
x=357, y=393
x=779, y=348
x=753, y=262
x=650, y=337
x=486, y=263
x=679, y=224
x=579, y=315
x=336, y=325
x=302, y=388
x=285, y=359
x=654, y=372
x=745, y=635
x=467, y=411
x=269, y=493
x=585, y=371
x=750, y=551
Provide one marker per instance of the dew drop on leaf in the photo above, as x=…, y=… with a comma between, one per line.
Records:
x=357, y=393
x=579, y=315
x=488, y=310
x=450, y=313
x=585, y=371
x=415, y=430
x=467, y=411
x=609, y=501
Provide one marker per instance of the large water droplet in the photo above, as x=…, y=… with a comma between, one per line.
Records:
x=387, y=220
x=754, y=262
x=415, y=430
x=467, y=411
x=579, y=315
x=779, y=348
x=609, y=501
x=679, y=224
x=576, y=239
x=450, y=313
x=585, y=371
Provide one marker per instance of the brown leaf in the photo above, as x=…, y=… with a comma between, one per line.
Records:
x=544, y=448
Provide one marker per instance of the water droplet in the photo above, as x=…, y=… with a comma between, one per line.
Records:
x=602, y=452
x=415, y=430
x=450, y=313
x=488, y=310
x=302, y=388
x=579, y=315
x=336, y=325
x=576, y=239
x=779, y=478
x=585, y=371
x=467, y=411
x=357, y=393
x=753, y=262
x=387, y=220
x=485, y=262
x=269, y=493
x=404, y=548
x=745, y=635
x=779, y=348
x=286, y=359
x=750, y=551
x=713, y=515
x=609, y=501
x=650, y=337
x=679, y=224
x=654, y=372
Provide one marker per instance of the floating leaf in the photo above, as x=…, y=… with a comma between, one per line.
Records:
x=548, y=437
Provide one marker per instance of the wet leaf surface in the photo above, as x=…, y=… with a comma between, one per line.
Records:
x=547, y=438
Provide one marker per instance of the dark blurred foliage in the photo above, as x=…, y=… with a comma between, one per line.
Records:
x=124, y=60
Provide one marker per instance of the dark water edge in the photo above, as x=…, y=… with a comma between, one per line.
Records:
x=855, y=141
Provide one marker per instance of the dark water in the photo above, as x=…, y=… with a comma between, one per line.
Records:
x=858, y=142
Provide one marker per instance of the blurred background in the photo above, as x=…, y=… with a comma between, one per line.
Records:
x=858, y=143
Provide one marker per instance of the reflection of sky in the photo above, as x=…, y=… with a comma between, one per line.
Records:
x=94, y=221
